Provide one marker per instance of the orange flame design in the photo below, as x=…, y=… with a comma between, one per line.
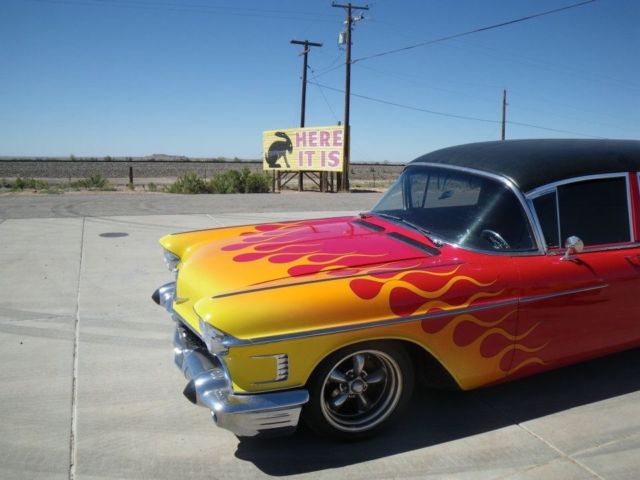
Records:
x=479, y=336
x=491, y=339
x=410, y=287
x=298, y=243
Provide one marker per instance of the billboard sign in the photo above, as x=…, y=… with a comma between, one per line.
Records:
x=318, y=149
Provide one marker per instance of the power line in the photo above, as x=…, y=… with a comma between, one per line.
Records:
x=408, y=107
x=477, y=30
x=453, y=115
x=330, y=69
x=549, y=129
x=420, y=81
x=523, y=59
x=333, y=63
x=486, y=99
x=313, y=76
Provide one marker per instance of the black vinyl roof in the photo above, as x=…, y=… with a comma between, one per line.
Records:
x=534, y=163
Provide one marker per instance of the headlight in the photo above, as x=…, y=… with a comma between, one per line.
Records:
x=171, y=261
x=214, y=339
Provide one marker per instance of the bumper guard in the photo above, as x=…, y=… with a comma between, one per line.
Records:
x=246, y=415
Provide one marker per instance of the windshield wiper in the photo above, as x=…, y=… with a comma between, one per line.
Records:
x=429, y=235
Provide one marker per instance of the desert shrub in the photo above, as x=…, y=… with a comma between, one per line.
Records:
x=152, y=187
x=190, y=182
x=226, y=182
x=231, y=181
x=94, y=182
x=22, y=183
x=258, y=182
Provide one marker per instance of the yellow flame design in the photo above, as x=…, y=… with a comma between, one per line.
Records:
x=529, y=361
x=492, y=328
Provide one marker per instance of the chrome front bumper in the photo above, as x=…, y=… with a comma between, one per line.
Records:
x=246, y=415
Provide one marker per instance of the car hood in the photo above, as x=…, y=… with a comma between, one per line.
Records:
x=258, y=255
x=231, y=261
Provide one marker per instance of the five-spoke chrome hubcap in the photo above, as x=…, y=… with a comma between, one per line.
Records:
x=361, y=390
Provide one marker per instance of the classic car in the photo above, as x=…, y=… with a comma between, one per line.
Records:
x=482, y=263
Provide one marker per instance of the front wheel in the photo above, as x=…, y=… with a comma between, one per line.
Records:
x=356, y=391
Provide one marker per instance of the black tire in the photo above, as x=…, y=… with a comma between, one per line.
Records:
x=358, y=390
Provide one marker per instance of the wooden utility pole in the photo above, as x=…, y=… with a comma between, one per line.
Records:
x=504, y=113
x=303, y=105
x=344, y=184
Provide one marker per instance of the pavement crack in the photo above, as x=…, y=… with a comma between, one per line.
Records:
x=563, y=454
x=74, y=380
x=216, y=222
x=608, y=443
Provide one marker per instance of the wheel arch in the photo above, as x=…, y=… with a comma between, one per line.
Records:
x=428, y=369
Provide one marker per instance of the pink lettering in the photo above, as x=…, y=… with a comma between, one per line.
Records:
x=324, y=138
x=313, y=139
x=337, y=138
x=301, y=139
x=334, y=158
x=309, y=155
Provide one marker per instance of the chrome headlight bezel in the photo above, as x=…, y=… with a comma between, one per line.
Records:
x=214, y=339
x=171, y=260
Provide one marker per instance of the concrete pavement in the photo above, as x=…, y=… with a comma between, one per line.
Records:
x=89, y=389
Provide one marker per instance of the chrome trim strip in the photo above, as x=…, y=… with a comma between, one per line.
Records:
x=537, y=224
x=620, y=246
x=537, y=192
x=555, y=192
x=637, y=219
x=547, y=296
x=415, y=318
x=237, y=342
x=282, y=368
x=321, y=280
x=631, y=232
x=511, y=185
x=553, y=187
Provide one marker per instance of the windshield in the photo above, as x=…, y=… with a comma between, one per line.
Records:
x=457, y=207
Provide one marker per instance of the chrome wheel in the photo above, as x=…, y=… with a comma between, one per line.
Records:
x=361, y=390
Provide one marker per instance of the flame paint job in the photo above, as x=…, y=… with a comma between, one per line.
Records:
x=291, y=280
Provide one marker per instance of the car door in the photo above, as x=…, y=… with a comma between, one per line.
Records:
x=583, y=304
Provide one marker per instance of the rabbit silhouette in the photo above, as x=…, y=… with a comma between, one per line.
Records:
x=278, y=149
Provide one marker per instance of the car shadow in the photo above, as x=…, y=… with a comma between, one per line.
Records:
x=435, y=417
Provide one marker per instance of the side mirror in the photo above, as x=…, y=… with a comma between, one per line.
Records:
x=573, y=245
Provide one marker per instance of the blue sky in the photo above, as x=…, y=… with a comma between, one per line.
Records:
x=205, y=77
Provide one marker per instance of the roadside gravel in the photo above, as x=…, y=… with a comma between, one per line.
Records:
x=103, y=204
x=159, y=170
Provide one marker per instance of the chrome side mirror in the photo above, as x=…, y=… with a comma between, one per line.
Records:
x=573, y=245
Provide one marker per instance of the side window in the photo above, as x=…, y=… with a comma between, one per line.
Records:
x=547, y=211
x=596, y=211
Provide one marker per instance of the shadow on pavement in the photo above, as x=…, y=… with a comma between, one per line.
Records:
x=435, y=417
